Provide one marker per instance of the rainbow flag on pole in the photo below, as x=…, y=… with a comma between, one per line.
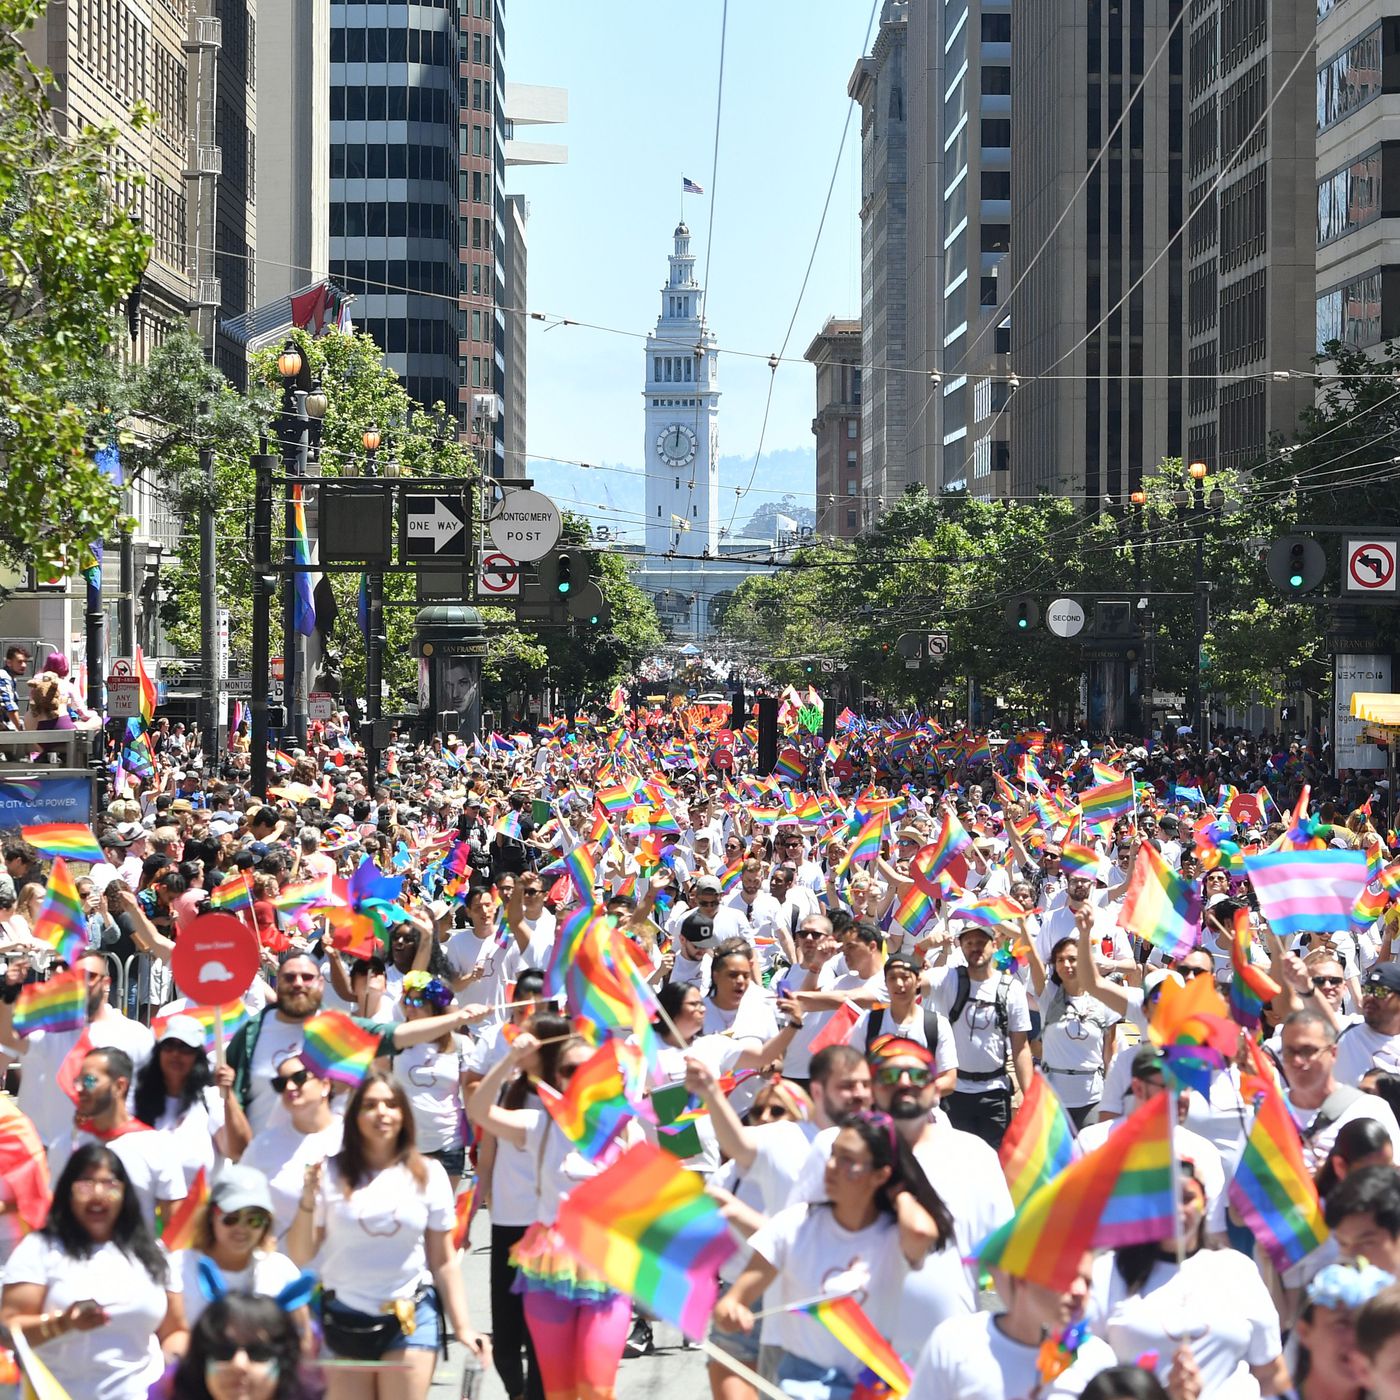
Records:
x=648, y=1227
x=1160, y=906
x=147, y=690
x=846, y=1321
x=305, y=610
x=335, y=1048
x=1039, y=1144
x=598, y=1101
x=61, y=922
x=60, y=1004
x=234, y=895
x=1121, y=1193
x=1107, y=801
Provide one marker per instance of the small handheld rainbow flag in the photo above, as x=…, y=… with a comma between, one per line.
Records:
x=235, y=1015
x=60, y=921
x=1079, y=859
x=234, y=895
x=914, y=910
x=60, y=1004
x=847, y=1322
x=179, y=1228
x=648, y=1227
x=1251, y=986
x=1039, y=1144
x=72, y=840
x=866, y=846
x=461, y=1225
x=952, y=840
x=336, y=1048
x=147, y=689
x=1160, y=906
x=1000, y=911
x=597, y=1103
x=1109, y=800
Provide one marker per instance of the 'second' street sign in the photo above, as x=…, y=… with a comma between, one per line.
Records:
x=525, y=526
x=1065, y=618
x=434, y=527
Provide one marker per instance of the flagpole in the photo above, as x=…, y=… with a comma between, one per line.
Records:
x=754, y=1379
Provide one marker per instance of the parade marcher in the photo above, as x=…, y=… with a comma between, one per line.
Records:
x=244, y=1347
x=433, y=1074
x=1375, y=1041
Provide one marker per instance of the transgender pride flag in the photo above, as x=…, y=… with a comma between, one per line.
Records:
x=1302, y=891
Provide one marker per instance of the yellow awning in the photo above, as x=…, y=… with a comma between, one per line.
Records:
x=1376, y=707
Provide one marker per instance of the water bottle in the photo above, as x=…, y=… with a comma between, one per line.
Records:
x=472, y=1375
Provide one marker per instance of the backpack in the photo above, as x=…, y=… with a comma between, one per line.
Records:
x=964, y=995
x=877, y=1019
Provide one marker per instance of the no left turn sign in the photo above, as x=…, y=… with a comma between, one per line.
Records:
x=499, y=576
x=1370, y=566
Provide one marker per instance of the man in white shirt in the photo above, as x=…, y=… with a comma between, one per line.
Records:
x=751, y=900
x=1376, y=1040
x=1112, y=951
x=788, y=848
x=795, y=902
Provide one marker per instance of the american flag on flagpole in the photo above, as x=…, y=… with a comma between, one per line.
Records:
x=688, y=186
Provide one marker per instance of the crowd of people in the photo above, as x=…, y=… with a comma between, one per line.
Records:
x=231, y=1221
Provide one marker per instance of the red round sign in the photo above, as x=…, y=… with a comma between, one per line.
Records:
x=843, y=768
x=1244, y=807
x=215, y=959
x=724, y=738
x=722, y=759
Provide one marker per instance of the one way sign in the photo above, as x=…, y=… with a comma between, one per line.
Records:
x=434, y=527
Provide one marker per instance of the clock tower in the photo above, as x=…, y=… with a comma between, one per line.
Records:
x=682, y=420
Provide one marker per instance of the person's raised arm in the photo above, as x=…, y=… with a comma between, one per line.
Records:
x=1095, y=983
x=482, y=1108
x=736, y=1141
x=304, y=1237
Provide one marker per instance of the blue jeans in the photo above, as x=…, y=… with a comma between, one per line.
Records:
x=804, y=1380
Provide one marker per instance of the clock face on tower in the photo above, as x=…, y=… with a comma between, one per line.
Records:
x=677, y=444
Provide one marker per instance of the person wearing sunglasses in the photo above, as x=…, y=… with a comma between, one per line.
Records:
x=1375, y=1040
x=244, y=1347
x=234, y=1250
x=308, y=1131
x=90, y=1290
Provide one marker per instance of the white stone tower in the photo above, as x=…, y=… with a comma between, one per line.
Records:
x=682, y=420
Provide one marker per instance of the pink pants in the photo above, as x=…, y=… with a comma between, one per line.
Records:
x=578, y=1345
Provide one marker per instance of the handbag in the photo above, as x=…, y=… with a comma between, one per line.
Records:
x=357, y=1335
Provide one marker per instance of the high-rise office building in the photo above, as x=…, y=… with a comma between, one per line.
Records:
x=835, y=352
x=959, y=62
x=394, y=114
x=1249, y=245
x=517, y=322
x=879, y=86
x=1358, y=140
x=1096, y=339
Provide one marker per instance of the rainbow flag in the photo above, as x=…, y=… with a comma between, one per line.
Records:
x=730, y=876
x=866, y=845
x=234, y=895
x=147, y=689
x=1000, y=911
x=335, y=1048
x=1111, y=799
x=1121, y=1193
x=598, y=1101
x=60, y=921
x=1039, y=1143
x=648, y=1227
x=573, y=931
x=1160, y=906
x=846, y=1321
x=305, y=609
x=790, y=766
x=582, y=870
x=60, y=1004
x=179, y=1227
x=1272, y=1189
x=235, y=1015
x=23, y=1165
x=914, y=910
x=616, y=799
x=1079, y=859
x=1250, y=985
x=463, y=1215
x=952, y=840
x=1305, y=890
x=72, y=840
x=292, y=899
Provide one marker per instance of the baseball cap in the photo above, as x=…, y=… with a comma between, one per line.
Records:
x=1384, y=977
x=707, y=884
x=240, y=1188
x=697, y=930
x=1156, y=977
x=184, y=1029
x=902, y=960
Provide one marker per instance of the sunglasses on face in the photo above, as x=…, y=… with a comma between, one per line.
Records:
x=252, y=1218
x=88, y=1081
x=890, y=1075
x=1378, y=992
x=1194, y=971
x=769, y=1112
x=282, y=1082
x=223, y=1349
x=1320, y=982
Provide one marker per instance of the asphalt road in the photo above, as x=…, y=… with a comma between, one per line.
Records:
x=679, y=1371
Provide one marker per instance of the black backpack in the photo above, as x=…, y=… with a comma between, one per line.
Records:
x=964, y=995
x=877, y=1019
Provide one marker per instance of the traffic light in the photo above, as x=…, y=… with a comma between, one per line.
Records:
x=564, y=573
x=1022, y=614
x=1296, y=565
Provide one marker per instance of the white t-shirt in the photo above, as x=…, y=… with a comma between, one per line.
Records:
x=514, y=1190
x=193, y=1134
x=1073, y=1041
x=1217, y=1293
x=945, y=1055
x=780, y=1150
x=433, y=1081
x=797, y=1062
x=282, y=1155
x=500, y=967
x=814, y=1255
x=268, y=1274
x=968, y=1178
x=1358, y=1049
x=970, y=1358
x=982, y=1047
x=373, y=1250
x=40, y=1098
x=1316, y=1148
x=149, y=1156
x=118, y=1361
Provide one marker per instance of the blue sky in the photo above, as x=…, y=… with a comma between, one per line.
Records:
x=641, y=76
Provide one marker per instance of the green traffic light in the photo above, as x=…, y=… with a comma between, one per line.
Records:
x=1022, y=623
x=1295, y=580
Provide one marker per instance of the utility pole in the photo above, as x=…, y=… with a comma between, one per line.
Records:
x=208, y=602
x=264, y=586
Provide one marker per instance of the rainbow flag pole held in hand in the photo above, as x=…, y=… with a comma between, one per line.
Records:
x=846, y=1321
x=335, y=1048
x=61, y=922
x=1040, y=1142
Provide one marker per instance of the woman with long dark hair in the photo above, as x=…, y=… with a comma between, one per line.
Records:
x=378, y=1221
x=1152, y=1297
x=89, y=1290
x=879, y=1220
x=244, y=1347
x=174, y=1090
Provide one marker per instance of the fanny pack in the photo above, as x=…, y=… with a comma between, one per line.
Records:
x=363, y=1336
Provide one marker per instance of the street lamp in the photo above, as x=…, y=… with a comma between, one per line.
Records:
x=316, y=401
x=1200, y=507
x=374, y=628
x=289, y=361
